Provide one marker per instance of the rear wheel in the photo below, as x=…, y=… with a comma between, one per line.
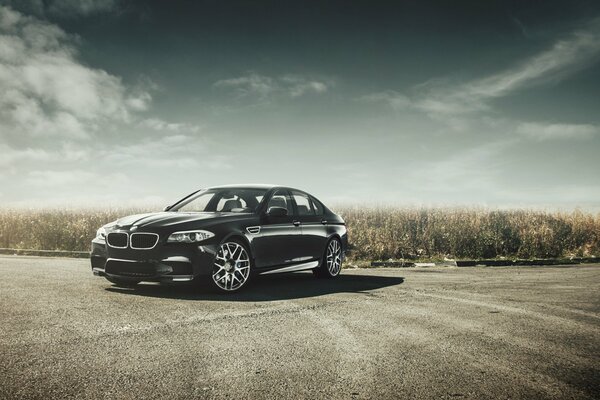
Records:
x=331, y=264
x=123, y=282
x=232, y=267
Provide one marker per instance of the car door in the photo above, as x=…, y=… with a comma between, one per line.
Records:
x=314, y=229
x=278, y=239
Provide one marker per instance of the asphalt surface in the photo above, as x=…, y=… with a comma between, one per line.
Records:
x=454, y=333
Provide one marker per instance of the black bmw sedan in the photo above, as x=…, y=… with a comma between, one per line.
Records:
x=223, y=235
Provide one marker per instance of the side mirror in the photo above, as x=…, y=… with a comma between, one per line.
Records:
x=277, y=212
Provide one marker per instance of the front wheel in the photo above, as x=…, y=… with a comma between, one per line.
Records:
x=231, y=269
x=331, y=264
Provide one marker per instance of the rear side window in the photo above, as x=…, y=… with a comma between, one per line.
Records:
x=318, y=207
x=303, y=204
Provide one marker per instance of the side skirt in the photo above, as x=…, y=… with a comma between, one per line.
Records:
x=291, y=268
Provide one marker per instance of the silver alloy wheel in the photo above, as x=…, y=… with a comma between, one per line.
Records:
x=232, y=266
x=334, y=257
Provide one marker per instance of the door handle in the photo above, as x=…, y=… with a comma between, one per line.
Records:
x=296, y=223
x=324, y=221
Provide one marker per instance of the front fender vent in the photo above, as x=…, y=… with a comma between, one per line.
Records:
x=254, y=230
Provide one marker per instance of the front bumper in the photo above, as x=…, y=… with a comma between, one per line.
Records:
x=172, y=262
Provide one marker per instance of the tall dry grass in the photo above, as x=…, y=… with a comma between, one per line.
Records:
x=386, y=232
x=69, y=229
x=375, y=233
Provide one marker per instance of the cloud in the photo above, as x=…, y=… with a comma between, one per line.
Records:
x=565, y=57
x=63, y=8
x=471, y=169
x=45, y=91
x=392, y=98
x=159, y=125
x=60, y=179
x=297, y=85
x=263, y=87
x=541, y=132
x=520, y=26
x=178, y=151
x=10, y=156
x=79, y=130
x=440, y=98
x=80, y=7
x=252, y=83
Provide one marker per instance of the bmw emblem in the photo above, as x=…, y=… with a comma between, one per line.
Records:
x=133, y=228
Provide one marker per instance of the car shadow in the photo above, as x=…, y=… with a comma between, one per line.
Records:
x=267, y=288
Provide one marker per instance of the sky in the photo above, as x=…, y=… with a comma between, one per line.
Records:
x=410, y=103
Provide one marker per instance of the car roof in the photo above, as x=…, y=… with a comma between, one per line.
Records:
x=266, y=186
x=246, y=186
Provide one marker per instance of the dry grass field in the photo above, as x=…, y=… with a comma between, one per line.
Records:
x=461, y=233
x=375, y=233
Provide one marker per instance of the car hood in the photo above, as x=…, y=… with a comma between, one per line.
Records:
x=168, y=219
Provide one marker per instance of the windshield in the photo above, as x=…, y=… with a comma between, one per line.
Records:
x=222, y=200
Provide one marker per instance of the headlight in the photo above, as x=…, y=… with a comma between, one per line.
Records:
x=190, y=236
x=101, y=234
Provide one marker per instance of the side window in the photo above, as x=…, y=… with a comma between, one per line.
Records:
x=228, y=204
x=318, y=207
x=281, y=199
x=303, y=204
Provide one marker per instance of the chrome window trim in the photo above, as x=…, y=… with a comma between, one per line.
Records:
x=118, y=247
x=143, y=233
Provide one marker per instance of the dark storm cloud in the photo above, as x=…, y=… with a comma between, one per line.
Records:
x=562, y=59
x=408, y=102
x=63, y=8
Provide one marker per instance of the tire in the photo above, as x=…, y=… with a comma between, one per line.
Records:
x=124, y=283
x=232, y=267
x=331, y=263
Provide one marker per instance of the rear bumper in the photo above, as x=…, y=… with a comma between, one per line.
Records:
x=173, y=263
